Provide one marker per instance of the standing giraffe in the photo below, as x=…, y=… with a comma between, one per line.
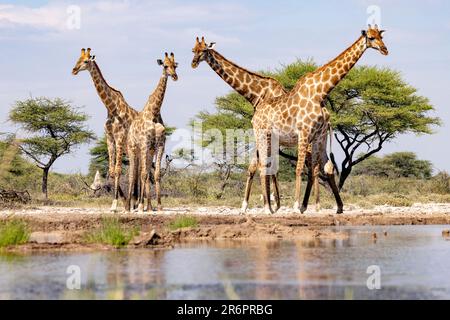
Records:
x=255, y=88
x=147, y=136
x=297, y=118
x=120, y=116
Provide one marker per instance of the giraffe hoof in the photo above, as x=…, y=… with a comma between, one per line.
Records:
x=340, y=211
x=114, y=206
x=318, y=208
x=244, y=207
x=303, y=209
x=140, y=209
x=296, y=208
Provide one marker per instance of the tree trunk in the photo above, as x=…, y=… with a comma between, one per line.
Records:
x=344, y=175
x=45, y=182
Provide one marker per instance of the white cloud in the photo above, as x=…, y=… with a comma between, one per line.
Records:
x=154, y=13
x=47, y=17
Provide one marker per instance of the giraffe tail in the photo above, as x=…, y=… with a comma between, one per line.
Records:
x=329, y=168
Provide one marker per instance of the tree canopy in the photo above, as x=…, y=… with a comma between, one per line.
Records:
x=372, y=106
x=54, y=128
x=396, y=165
x=369, y=107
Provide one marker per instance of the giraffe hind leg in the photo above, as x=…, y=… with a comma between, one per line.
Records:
x=250, y=175
x=264, y=149
x=131, y=180
x=276, y=189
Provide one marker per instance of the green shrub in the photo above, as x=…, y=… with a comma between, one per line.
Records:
x=13, y=232
x=111, y=232
x=440, y=183
x=183, y=222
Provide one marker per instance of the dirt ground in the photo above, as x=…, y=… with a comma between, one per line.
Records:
x=63, y=228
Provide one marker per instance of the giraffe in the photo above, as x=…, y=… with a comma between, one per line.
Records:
x=120, y=116
x=255, y=88
x=147, y=136
x=297, y=118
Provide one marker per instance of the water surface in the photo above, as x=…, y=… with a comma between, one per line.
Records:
x=414, y=262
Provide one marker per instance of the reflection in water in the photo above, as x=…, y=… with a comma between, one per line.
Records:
x=414, y=263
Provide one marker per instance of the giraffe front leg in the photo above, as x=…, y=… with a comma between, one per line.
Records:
x=159, y=156
x=111, y=153
x=302, y=149
x=250, y=175
x=117, y=173
x=265, y=164
x=145, y=160
x=316, y=171
x=131, y=178
x=276, y=189
x=148, y=191
x=309, y=185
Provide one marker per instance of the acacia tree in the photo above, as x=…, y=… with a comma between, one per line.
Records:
x=396, y=165
x=370, y=107
x=54, y=127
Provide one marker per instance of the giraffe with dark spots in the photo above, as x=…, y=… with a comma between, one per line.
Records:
x=255, y=88
x=120, y=116
x=309, y=127
x=146, y=139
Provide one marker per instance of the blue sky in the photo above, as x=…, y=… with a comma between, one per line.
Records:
x=39, y=51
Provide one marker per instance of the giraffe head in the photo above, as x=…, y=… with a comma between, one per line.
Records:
x=200, y=51
x=84, y=62
x=374, y=39
x=169, y=66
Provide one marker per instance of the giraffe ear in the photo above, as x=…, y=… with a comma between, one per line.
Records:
x=212, y=45
x=364, y=33
x=159, y=62
x=92, y=58
x=382, y=31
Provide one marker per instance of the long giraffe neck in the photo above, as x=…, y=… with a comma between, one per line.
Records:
x=107, y=94
x=152, y=108
x=328, y=77
x=255, y=88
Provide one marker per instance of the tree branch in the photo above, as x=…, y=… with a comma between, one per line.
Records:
x=40, y=164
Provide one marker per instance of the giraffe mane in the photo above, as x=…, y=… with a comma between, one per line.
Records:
x=246, y=70
x=338, y=57
x=101, y=75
